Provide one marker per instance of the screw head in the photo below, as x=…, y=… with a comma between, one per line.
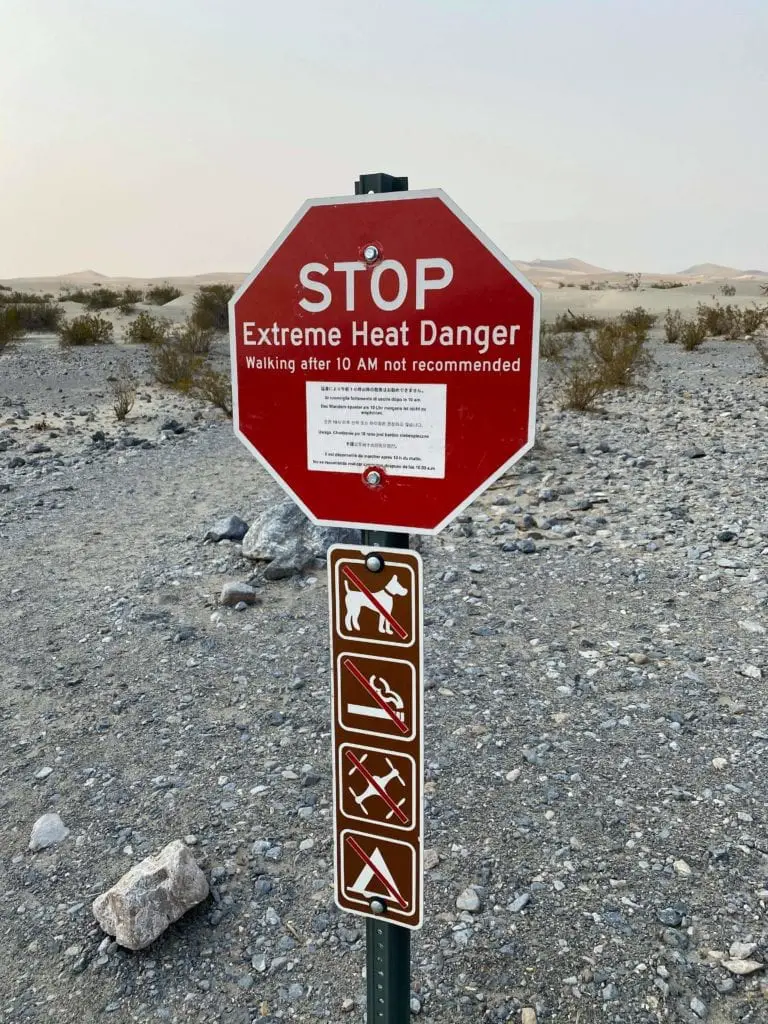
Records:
x=377, y=907
x=372, y=477
x=374, y=563
x=371, y=253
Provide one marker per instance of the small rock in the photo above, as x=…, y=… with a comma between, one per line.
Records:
x=415, y=1004
x=738, y=966
x=44, y=773
x=719, y=763
x=669, y=916
x=527, y=546
x=638, y=658
x=520, y=903
x=468, y=900
x=514, y=775
x=151, y=896
x=231, y=528
x=699, y=1007
x=682, y=868
x=47, y=831
x=431, y=859
x=751, y=671
x=610, y=993
x=742, y=950
x=233, y=594
x=528, y=1015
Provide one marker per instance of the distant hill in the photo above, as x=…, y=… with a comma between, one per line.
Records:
x=716, y=270
x=573, y=265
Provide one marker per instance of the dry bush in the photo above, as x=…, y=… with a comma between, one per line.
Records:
x=194, y=338
x=764, y=289
x=553, y=346
x=123, y=387
x=720, y=321
x=673, y=325
x=148, y=330
x=33, y=312
x=211, y=309
x=86, y=330
x=214, y=387
x=159, y=294
x=728, y=289
x=761, y=348
x=618, y=352
x=569, y=321
x=753, y=318
x=664, y=285
x=583, y=386
x=693, y=334
x=10, y=327
x=639, y=319
x=175, y=366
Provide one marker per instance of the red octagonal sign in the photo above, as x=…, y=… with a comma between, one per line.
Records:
x=384, y=357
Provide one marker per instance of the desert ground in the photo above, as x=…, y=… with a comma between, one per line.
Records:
x=597, y=682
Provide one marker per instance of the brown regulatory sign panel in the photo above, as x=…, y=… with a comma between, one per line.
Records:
x=378, y=764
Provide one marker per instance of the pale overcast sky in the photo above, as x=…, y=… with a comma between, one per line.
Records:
x=155, y=137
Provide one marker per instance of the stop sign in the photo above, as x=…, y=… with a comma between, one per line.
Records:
x=384, y=357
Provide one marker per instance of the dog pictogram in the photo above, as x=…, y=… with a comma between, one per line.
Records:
x=355, y=601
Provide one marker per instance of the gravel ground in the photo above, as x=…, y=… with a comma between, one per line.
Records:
x=596, y=728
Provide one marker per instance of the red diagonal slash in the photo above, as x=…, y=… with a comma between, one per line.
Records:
x=351, y=667
x=402, y=633
x=384, y=881
x=379, y=789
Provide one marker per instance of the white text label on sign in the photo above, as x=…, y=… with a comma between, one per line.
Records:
x=353, y=426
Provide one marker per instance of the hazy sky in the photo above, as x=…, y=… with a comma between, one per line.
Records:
x=155, y=137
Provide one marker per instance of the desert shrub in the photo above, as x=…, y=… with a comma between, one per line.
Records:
x=553, y=346
x=10, y=328
x=764, y=289
x=35, y=316
x=673, y=325
x=664, y=285
x=193, y=338
x=213, y=386
x=5, y=287
x=583, y=385
x=720, y=321
x=728, y=289
x=123, y=387
x=753, y=318
x=75, y=295
x=569, y=321
x=159, y=294
x=210, y=310
x=86, y=330
x=103, y=298
x=638, y=318
x=761, y=348
x=693, y=333
x=175, y=366
x=148, y=330
x=618, y=352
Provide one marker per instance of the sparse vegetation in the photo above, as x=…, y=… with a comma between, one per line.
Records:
x=570, y=321
x=664, y=285
x=639, y=319
x=761, y=348
x=583, y=386
x=194, y=338
x=148, y=330
x=210, y=309
x=552, y=346
x=159, y=294
x=123, y=387
x=87, y=329
x=693, y=333
x=729, y=321
x=753, y=318
x=618, y=352
x=673, y=325
x=213, y=386
x=175, y=366
x=10, y=327
x=32, y=312
x=99, y=297
x=728, y=289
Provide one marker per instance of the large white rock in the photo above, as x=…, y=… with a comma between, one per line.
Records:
x=289, y=542
x=151, y=896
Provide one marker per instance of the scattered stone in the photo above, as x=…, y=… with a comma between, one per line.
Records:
x=751, y=671
x=233, y=594
x=468, y=900
x=738, y=966
x=682, y=868
x=49, y=830
x=151, y=896
x=719, y=763
x=528, y=1015
x=520, y=903
x=669, y=916
x=431, y=859
x=610, y=993
x=742, y=950
x=44, y=773
x=699, y=1007
x=527, y=546
x=638, y=658
x=231, y=528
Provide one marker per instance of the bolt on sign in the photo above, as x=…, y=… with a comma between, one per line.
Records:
x=376, y=656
